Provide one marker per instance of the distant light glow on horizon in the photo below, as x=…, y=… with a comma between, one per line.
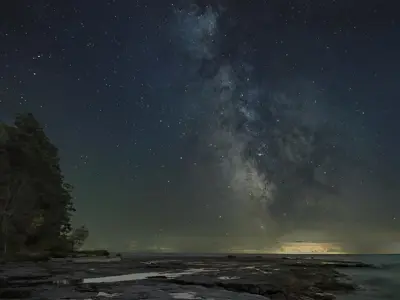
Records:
x=310, y=248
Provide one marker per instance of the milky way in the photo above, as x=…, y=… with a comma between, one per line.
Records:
x=288, y=158
x=205, y=125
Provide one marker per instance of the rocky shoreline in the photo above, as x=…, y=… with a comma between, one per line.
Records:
x=222, y=277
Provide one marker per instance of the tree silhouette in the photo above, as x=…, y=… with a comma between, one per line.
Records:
x=35, y=201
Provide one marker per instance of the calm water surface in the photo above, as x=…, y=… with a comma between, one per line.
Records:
x=376, y=284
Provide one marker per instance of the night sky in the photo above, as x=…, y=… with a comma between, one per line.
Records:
x=205, y=125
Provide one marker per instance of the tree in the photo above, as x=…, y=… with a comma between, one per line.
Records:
x=14, y=188
x=35, y=201
x=78, y=237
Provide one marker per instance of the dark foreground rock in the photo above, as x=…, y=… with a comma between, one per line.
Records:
x=238, y=277
x=289, y=284
x=15, y=293
x=45, y=256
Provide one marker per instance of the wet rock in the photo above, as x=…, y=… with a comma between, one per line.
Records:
x=3, y=282
x=29, y=257
x=28, y=283
x=15, y=293
x=143, y=295
x=240, y=277
x=75, y=281
x=87, y=288
x=14, y=279
x=67, y=281
x=158, y=277
x=324, y=296
x=263, y=289
x=350, y=265
x=327, y=264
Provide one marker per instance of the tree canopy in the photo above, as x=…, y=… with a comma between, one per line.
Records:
x=35, y=200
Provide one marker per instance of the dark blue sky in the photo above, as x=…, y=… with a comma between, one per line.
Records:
x=145, y=100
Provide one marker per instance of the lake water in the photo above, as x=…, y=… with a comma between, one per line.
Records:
x=376, y=284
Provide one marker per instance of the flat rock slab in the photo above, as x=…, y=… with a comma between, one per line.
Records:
x=137, y=291
x=233, y=277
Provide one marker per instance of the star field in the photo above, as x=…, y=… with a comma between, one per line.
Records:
x=172, y=118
